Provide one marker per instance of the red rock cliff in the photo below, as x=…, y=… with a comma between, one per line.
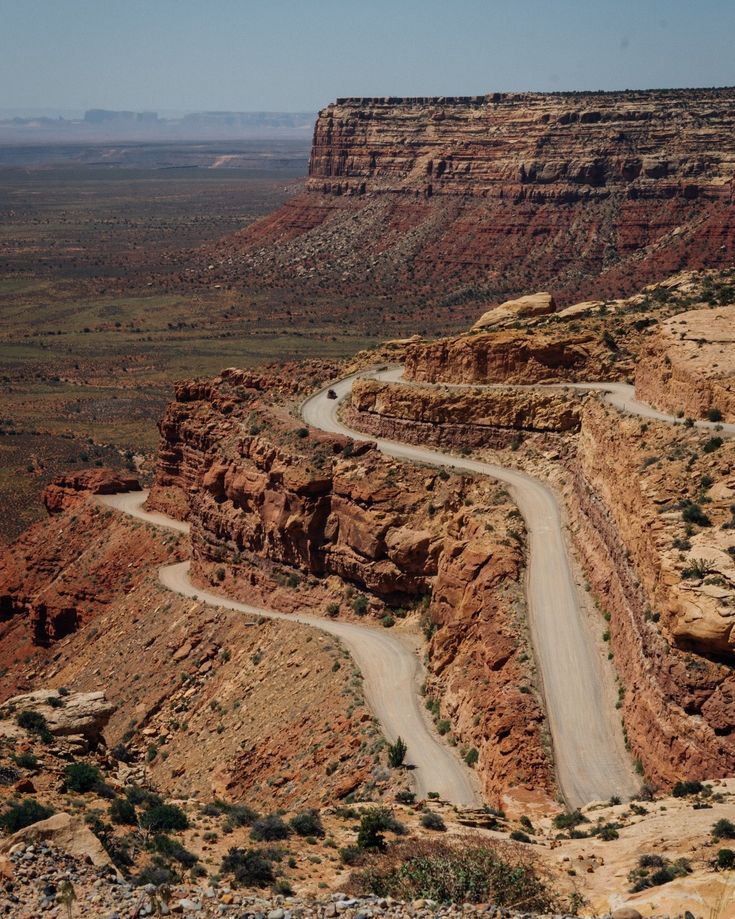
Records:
x=585, y=194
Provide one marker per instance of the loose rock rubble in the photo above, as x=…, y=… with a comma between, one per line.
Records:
x=47, y=882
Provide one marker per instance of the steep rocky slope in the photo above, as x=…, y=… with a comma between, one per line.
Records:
x=465, y=200
x=207, y=702
x=670, y=624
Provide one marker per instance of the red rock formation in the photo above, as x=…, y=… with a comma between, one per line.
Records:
x=61, y=573
x=73, y=488
x=438, y=411
x=582, y=194
x=271, y=507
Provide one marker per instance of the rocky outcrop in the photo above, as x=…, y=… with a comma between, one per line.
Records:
x=72, y=488
x=62, y=831
x=478, y=656
x=677, y=706
x=67, y=714
x=688, y=365
x=451, y=414
x=524, y=307
x=505, y=356
x=476, y=199
x=272, y=506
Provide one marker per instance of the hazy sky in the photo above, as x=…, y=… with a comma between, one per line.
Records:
x=298, y=55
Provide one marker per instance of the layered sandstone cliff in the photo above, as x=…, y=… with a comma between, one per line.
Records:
x=455, y=417
x=585, y=195
x=627, y=500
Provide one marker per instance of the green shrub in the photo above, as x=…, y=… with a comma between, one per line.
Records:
x=404, y=796
x=388, y=621
x=164, y=817
x=397, y=753
x=714, y=414
x=23, y=813
x=143, y=796
x=725, y=859
x=35, y=723
x=714, y=443
x=432, y=821
x=360, y=605
x=456, y=872
x=471, y=757
x=307, y=823
x=81, y=777
x=643, y=877
x=173, y=850
x=248, y=867
x=693, y=513
x=269, y=828
x=332, y=610
x=26, y=760
x=568, y=820
x=351, y=855
x=373, y=823
x=682, y=789
x=520, y=836
x=239, y=815
x=444, y=726
x=158, y=875
x=724, y=829
x=608, y=831
x=123, y=812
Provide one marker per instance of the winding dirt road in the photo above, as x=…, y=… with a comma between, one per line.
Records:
x=590, y=757
x=589, y=750
x=391, y=669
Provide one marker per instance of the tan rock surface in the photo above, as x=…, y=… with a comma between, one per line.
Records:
x=521, y=308
x=70, y=713
x=688, y=365
x=65, y=832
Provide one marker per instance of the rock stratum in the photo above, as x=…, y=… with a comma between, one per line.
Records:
x=471, y=199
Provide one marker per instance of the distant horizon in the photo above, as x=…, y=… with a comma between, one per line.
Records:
x=77, y=113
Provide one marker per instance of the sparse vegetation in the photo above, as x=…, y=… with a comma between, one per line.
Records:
x=466, y=872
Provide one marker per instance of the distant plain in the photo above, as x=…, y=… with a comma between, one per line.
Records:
x=105, y=300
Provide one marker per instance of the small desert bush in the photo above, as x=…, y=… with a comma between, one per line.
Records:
x=269, y=829
x=307, y=823
x=248, y=867
x=465, y=871
x=23, y=813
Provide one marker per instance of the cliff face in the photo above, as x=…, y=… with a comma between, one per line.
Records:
x=456, y=418
x=678, y=707
x=580, y=194
x=536, y=146
x=689, y=364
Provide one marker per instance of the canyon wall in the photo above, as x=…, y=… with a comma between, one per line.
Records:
x=478, y=409
x=470, y=199
x=678, y=708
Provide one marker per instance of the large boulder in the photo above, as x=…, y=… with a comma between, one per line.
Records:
x=65, y=832
x=539, y=304
x=67, y=714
